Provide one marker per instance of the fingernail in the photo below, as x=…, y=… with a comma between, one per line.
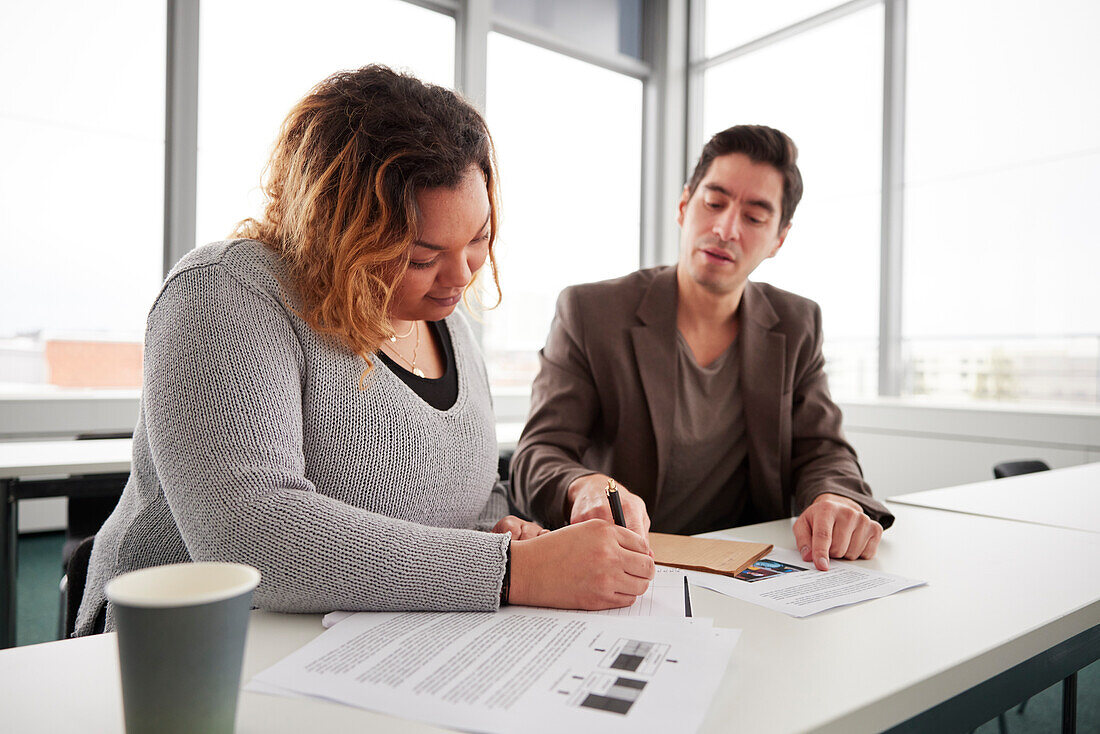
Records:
x=805, y=551
x=823, y=562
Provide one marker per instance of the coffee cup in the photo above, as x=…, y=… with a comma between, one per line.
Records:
x=181, y=633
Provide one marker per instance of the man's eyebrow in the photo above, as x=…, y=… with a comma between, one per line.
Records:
x=438, y=248
x=761, y=203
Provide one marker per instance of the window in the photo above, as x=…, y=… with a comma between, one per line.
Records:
x=605, y=27
x=823, y=87
x=568, y=141
x=81, y=190
x=732, y=23
x=257, y=58
x=1002, y=172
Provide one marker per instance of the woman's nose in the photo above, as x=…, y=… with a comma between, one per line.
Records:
x=458, y=272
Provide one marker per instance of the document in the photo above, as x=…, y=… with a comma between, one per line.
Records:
x=664, y=598
x=515, y=671
x=784, y=582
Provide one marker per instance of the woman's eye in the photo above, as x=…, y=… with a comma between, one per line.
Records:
x=421, y=265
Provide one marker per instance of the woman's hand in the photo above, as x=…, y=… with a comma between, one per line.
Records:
x=519, y=528
x=589, y=565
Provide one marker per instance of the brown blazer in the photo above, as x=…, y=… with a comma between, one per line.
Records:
x=602, y=400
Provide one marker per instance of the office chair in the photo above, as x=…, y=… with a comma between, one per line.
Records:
x=90, y=503
x=1016, y=468
x=72, y=584
x=1069, y=685
x=504, y=464
x=504, y=469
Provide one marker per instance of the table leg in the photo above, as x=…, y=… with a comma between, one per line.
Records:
x=9, y=561
x=1069, y=705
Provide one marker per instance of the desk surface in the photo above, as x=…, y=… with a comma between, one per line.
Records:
x=1064, y=498
x=46, y=459
x=991, y=602
x=49, y=459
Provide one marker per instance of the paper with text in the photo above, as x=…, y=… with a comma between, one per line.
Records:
x=784, y=582
x=663, y=598
x=492, y=672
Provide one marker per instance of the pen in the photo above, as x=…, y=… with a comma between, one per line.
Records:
x=616, y=505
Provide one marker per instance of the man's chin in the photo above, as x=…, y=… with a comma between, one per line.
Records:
x=716, y=285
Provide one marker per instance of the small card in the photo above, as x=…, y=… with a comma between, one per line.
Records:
x=727, y=557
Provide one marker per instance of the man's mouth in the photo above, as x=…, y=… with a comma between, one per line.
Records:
x=717, y=253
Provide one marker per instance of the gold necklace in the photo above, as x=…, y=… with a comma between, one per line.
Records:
x=394, y=336
x=416, y=347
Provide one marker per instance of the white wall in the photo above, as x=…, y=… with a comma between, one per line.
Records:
x=907, y=448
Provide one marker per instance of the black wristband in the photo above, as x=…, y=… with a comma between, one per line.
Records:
x=505, y=585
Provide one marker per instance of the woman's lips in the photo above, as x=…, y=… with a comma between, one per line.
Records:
x=446, y=301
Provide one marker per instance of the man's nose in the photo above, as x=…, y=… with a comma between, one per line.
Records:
x=727, y=226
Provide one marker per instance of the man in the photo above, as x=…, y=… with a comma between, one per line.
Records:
x=701, y=394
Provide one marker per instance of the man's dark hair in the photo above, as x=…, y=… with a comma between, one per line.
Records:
x=761, y=144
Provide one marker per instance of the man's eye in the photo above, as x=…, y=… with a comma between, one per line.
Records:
x=755, y=220
x=713, y=205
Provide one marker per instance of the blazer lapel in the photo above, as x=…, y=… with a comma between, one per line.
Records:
x=655, y=353
x=763, y=356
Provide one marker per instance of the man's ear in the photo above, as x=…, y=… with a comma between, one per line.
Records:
x=685, y=197
x=780, y=239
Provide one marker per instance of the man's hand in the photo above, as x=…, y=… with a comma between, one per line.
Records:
x=520, y=529
x=587, y=500
x=835, y=526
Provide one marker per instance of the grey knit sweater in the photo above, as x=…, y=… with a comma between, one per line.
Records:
x=255, y=444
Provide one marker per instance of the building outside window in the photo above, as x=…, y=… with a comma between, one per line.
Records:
x=1002, y=171
x=81, y=191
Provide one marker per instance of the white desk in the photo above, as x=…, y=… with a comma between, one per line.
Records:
x=858, y=669
x=31, y=469
x=1064, y=498
x=51, y=459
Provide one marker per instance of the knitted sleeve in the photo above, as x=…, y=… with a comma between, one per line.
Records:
x=495, y=508
x=223, y=409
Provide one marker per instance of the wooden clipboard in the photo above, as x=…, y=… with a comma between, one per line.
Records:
x=727, y=557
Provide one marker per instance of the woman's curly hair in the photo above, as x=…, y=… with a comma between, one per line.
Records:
x=341, y=192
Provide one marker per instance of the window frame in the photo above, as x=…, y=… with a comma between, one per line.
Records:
x=44, y=414
x=890, y=365
x=671, y=71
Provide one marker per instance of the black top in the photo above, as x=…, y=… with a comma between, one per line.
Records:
x=441, y=392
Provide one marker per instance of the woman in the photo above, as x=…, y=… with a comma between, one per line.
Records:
x=313, y=405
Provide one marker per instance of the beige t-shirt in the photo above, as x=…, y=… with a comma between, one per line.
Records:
x=706, y=487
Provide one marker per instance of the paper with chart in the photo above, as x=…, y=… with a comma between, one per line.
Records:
x=664, y=598
x=784, y=582
x=491, y=672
